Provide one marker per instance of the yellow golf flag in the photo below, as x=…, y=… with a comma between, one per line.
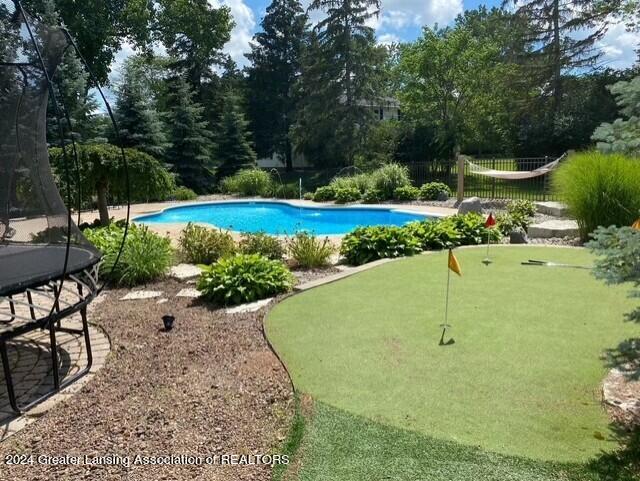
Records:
x=636, y=225
x=454, y=265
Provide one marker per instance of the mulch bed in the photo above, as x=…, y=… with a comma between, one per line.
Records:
x=210, y=386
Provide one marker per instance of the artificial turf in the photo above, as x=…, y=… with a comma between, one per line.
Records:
x=521, y=381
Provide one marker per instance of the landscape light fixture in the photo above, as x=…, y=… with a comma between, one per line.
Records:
x=168, y=321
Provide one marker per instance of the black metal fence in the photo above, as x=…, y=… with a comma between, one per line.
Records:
x=536, y=188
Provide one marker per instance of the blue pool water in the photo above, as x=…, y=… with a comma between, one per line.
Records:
x=281, y=218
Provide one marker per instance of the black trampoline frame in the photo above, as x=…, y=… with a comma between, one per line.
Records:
x=83, y=282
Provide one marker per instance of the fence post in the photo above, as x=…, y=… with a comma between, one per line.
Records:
x=460, y=193
x=493, y=183
x=545, y=181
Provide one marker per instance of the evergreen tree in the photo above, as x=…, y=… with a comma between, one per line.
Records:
x=554, y=51
x=341, y=77
x=138, y=121
x=275, y=56
x=192, y=147
x=234, y=150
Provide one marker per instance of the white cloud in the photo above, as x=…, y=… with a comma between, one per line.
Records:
x=619, y=47
x=242, y=33
x=398, y=14
x=388, y=38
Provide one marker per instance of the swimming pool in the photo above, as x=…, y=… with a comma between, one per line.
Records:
x=281, y=217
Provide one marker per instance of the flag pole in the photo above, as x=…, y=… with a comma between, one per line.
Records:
x=446, y=306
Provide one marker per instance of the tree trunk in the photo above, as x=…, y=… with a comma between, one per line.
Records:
x=102, y=203
x=557, y=59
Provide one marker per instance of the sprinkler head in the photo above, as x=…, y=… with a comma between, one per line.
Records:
x=486, y=261
x=168, y=322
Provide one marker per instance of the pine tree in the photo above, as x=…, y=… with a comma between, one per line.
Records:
x=554, y=51
x=234, y=150
x=139, y=124
x=192, y=147
x=275, y=56
x=342, y=75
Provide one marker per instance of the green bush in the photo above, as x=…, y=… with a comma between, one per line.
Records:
x=308, y=195
x=407, y=192
x=146, y=256
x=347, y=194
x=431, y=190
x=361, y=182
x=244, y=278
x=471, y=228
x=600, y=189
x=263, y=244
x=372, y=196
x=286, y=191
x=324, y=194
x=389, y=177
x=184, y=193
x=435, y=234
x=366, y=244
x=521, y=208
x=248, y=182
x=309, y=251
x=202, y=245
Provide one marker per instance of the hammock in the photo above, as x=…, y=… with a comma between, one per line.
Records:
x=511, y=174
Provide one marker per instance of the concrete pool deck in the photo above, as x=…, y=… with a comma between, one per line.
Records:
x=173, y=229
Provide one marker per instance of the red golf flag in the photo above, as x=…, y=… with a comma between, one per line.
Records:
x=491, y=221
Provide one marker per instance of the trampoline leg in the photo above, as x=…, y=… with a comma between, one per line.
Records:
x=87, y=339
x=7, y=377
x=54, y=356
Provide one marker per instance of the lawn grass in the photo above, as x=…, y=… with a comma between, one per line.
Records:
x=343, y=446
x=522, y=379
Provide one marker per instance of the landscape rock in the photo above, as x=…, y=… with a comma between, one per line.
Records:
x=472, y=204
x=184, y=271
x=518, y=236
x=554, y=228
x=189, y=292
x=555, y=209
x=250, y=307
x=138, y=295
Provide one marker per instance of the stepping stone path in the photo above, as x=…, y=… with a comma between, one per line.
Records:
x=250, y=307
x=189, y=292
x=137, y=295
x=184, y=271
x=554, y=228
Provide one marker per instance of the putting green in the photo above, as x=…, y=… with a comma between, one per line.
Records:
x=523, y=377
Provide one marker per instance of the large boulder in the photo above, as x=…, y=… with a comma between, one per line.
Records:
x=518, y=236
x=472, y=204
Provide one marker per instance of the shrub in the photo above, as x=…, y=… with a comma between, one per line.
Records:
x=347, y=194
x=372, y=196
x=323, y=194
x=435, y=233
x=521, y=208
x=146, y=255
x=600, y=189
x=407, y=192
x=244, y=278
x=389, y=177
x=184, y=193
x=248, y=182
x=618, y=251
x=471, y=228
x=361, y=182
x=263, y=244
x=432, y=190
x=366, y=244
x=202, y=245
x=286, y=191
x=308, y=196
x=309, y=251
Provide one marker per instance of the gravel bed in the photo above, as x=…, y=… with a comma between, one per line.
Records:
x=210, y=386
x=308, y=275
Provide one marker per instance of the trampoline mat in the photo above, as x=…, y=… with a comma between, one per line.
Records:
x=23, y=266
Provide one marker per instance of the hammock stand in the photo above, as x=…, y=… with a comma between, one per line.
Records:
x=48, y=269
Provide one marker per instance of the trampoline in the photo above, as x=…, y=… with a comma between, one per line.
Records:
x=48, y=269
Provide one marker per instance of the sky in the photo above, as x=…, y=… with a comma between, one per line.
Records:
x=401, y=20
